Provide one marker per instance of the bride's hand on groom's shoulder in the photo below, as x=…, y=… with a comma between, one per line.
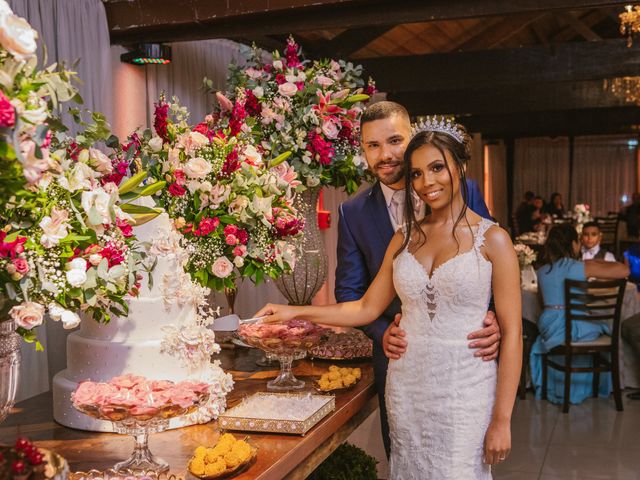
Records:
x=393, y=342
x=273, y=313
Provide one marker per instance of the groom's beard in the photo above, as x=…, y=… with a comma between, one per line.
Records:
x=390, y=172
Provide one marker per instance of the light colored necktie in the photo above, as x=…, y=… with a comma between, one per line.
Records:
x=397, y=207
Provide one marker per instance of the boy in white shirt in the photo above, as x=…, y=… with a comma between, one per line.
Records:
x=590, y=239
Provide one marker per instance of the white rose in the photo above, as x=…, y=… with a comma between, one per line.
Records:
x=69, y=319
x=17, y=36
x=222, y=267
x=27, y=315
x=205, y=186
x=197, y=167
x=100, y=161
x=36, y=115
x=238, y=262
x=77, y=264
x=287, y=89
x=277, y=64
x=97, y=205
x=54, y=228
x=5, y=9
x=76, y=278
x=198, y=139
x=55, y=311
x=253, y=155
x=155, y=144
x=95, y=259
x=258, y=92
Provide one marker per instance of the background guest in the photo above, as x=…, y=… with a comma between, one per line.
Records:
x=590, y=239
x=538, y=216
x=559, y=263
x=524, y=214
x=632, y=216
x=555, y=208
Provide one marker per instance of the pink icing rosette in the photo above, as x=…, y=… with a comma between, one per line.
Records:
x=283, y=338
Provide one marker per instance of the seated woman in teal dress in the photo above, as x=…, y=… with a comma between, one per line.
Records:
x=559, y=263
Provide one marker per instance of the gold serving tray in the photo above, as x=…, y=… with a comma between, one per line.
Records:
x=230, y=421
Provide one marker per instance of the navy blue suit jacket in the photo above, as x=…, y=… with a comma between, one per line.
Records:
x=364, y=233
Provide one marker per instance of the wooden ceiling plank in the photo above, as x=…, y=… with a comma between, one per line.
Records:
x=179, y=20
x=494, y=68
x=580, y=27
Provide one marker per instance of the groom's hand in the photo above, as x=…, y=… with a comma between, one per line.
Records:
x=393, y=341
x=487, y=339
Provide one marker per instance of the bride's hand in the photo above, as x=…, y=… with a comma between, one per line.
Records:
x=497, y=442
x=273, y=313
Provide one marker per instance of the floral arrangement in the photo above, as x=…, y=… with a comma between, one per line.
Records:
x=311, y=109
x=234, y=209
x=526, y=256
x=581, y=213
x=66, y=243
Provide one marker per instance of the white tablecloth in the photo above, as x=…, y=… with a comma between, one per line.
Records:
x=630, y=377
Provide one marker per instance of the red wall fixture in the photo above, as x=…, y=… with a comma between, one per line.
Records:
x=324, y=216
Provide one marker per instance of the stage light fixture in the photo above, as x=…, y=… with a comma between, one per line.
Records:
x=148, y=54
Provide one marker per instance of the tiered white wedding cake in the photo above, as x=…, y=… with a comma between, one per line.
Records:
x=164, y=337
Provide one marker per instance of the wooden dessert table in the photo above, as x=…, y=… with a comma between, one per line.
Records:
x=279, y=456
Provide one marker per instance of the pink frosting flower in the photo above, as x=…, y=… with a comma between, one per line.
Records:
x=7, y=112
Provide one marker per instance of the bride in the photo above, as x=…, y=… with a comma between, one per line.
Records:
x=449, y=412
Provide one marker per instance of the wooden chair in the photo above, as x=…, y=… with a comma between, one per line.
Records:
x=589, y=301
x=609, y=228
x=529, y=335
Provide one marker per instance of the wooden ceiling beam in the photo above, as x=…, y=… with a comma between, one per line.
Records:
x=579, y=26
x=500, y=32
x=350, y=41
x=533, y=98
x=595, y=121
x=589, y=20
x=501, y=67
x=133, y=21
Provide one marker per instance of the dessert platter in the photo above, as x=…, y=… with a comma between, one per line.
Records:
x=338, y=378
x=285, y=341
x=138, y=406
x=351, y=345
x=25, y=461
x=226, y=459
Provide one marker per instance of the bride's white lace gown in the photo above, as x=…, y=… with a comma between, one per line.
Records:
x=439, y=396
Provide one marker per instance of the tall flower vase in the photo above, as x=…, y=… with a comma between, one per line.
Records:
x=9, y=366
x=310, y=270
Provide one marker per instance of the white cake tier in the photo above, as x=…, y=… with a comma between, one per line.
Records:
x=101, y=360
x=146, y=318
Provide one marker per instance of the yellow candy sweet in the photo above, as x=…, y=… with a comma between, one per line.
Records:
x=357, y=373
x=196, y=466
x=348, y=380
x=215, y=468
x=232, y=460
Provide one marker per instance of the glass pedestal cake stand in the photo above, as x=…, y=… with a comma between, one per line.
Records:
x=141, y=460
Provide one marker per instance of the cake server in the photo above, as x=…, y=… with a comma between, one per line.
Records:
x=231, y=323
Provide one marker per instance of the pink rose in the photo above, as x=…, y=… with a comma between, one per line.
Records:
x=222, y=267
x=7, y=112
x=331, y=127
x=240, y=251
x=231, y=240
x=22, y=266
x=27, y=315
x=230, y=230
x=287, y=89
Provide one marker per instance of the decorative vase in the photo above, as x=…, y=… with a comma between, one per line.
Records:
x=301, y=285
x=9, y=366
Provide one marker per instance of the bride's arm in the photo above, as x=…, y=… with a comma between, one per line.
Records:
x=508, y=299
x=348, y=314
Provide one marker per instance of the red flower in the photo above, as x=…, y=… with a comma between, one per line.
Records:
x=125, y=228
x=206, y=226
x=280, y=78
x=180, y=177
x=120, y=168
x=252, y=104
x=243, y=236
x=114, y=255
x=322, y=149
x=230, y=165
x=291, y=53
x=177, y=190
x=230, y=230
x=7, y=112
x=73, y=150
x=161, y=115
x=11, y=249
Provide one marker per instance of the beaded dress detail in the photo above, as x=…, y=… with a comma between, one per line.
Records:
x=439, y=395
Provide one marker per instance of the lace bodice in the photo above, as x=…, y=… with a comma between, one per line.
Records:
x=458, y=290
x=439, y=396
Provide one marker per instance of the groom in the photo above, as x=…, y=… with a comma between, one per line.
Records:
x=367, y=223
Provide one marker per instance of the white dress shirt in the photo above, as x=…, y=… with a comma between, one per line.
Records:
x=388, y=193
x=590, y=253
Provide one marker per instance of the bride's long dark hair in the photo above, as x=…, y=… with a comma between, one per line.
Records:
x=461, y=153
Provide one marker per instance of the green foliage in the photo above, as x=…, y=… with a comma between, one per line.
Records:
x=347, y=462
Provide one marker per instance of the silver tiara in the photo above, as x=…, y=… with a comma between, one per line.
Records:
x=442, y=125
